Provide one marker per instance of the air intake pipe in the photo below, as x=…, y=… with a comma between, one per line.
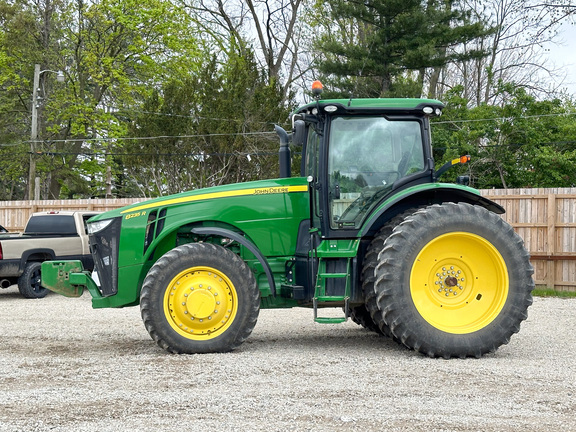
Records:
x=284, y=152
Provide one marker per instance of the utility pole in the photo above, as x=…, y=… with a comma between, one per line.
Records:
x=33, y=135
x=33, y=189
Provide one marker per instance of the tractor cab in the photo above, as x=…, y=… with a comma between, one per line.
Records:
x=358, y=152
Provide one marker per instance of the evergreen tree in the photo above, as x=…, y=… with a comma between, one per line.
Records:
x=379, y=48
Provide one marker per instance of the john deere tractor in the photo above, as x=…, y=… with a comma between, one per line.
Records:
x=365, y=227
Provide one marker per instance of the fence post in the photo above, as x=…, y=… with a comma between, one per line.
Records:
x=551, y=248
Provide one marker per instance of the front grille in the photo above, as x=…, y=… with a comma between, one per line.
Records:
x=104, y=247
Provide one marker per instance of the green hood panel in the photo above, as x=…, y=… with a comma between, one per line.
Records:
x=268, y=212
x=255, y=188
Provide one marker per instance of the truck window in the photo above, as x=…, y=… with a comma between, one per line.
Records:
x=366, y=156
x=53, y=224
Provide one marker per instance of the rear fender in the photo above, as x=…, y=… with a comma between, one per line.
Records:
x=424, y=195
x=43, y=254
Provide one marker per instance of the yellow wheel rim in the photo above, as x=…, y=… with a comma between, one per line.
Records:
x=459, y=282
x=200, y=303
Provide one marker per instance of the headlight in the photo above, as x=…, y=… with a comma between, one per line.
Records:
x=94, y=227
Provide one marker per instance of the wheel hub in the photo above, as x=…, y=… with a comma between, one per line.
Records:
x=200, y=303
x=449, y=280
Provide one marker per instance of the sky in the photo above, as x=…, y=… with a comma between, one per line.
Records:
x=564, y=55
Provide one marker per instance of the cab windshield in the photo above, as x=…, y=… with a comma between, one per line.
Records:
x=366, y=156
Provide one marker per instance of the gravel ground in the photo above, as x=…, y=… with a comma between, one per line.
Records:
x=67, y=367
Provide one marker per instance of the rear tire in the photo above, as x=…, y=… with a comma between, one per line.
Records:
x=363, y=314
x=453, y=280
x=199, y=298
x=29, y=282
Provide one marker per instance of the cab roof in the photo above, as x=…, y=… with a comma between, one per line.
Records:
x=374, y=105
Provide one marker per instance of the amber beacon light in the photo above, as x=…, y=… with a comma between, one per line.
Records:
x=317, y=88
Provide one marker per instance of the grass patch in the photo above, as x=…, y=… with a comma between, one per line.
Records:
x=547, y=292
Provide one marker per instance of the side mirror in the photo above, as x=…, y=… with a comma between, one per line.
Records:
x=299, y=135
x=463, y=180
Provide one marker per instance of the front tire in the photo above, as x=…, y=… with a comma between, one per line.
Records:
x=29, y=282
x=199, y=298
x=453, y=280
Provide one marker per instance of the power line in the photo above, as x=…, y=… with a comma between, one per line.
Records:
x=271, y=133
x=70, y=140
x=199, y=155
x=504, y=119
x=195, y=117
x=160, y=137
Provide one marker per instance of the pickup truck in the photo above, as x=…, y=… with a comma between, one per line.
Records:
x=47, y=236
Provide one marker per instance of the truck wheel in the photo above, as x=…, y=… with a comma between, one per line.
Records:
x=453, y=280
x=29, y=282
x=199, y=298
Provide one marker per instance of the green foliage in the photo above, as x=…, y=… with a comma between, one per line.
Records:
x=523, y=143
x=217, y=123
x=542, y=291
x=151, y=69
x=113, y=52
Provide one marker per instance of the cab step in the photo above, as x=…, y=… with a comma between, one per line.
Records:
x=330, y=320
x=321, y=295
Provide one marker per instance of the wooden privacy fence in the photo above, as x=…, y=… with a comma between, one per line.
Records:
x=546, y=221
x=544, y=218
x=15, y=214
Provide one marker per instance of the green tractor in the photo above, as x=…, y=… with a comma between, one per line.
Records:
x=365, y=228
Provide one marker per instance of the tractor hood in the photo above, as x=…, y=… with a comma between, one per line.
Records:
x=255, y=188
